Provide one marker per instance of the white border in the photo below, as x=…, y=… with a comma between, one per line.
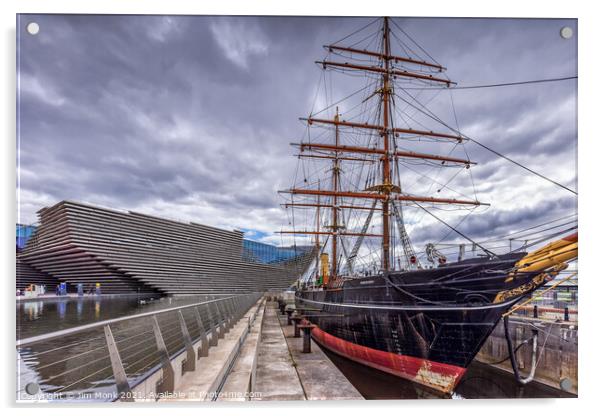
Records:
x=590, y=24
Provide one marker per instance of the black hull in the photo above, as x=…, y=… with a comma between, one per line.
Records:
x=424, y=325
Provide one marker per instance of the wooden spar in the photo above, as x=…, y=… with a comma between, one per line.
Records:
x=356, y=149
x=383, y=56
x=328, y=233
x=386, y=71
x=351, y=159
x=386, y=159
x=310, y=120
x=318, y=205
x=381, y=196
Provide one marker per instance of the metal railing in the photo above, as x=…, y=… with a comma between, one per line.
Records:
x=96, y=360
x=565, y=314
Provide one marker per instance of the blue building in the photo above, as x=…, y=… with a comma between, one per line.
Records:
x=256, y=252
x=23, y=233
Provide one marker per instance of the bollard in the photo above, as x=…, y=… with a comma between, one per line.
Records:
x=306, y=340
x=307, y=337
x=297, y=322
x=566, y=313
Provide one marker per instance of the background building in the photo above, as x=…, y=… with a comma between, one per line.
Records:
x=129, y=252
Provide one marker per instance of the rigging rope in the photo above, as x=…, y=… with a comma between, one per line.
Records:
x=490, y=253
x=495, y=152
x=357, y=31
x=433, y=116
x=413, y=41
x=503, y=84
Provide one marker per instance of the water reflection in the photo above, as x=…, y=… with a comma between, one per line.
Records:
x=62, y=308
x=39, y=316
x=79, y=363
x=33, y=310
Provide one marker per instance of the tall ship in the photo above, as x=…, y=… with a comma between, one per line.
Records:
x=374, y=170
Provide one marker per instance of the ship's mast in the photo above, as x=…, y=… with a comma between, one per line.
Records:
x=336, y=170
x=385, y=192
x=386, y=157
x=318, y=237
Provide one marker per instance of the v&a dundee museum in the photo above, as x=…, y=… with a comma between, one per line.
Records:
x=129, y=252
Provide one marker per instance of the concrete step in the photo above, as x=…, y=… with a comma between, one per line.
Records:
x=240, y=383
x=203, y=383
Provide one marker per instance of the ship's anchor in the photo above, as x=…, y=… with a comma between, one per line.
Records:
x=519, y=378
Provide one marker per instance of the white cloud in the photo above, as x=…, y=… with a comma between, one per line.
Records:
x=239, y=40
x=163, y=29
x=32, y=86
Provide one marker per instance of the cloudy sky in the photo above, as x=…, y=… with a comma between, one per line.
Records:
x=190, y=117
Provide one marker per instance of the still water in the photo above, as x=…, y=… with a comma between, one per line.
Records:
x=77, y=364
x=39, y=316
x=479, y=382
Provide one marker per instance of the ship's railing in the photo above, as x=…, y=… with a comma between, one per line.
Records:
x=566, y=313
x=105, y=360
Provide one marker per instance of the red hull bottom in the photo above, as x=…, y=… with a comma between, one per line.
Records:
x=438, y=376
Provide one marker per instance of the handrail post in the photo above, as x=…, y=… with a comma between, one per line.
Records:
x=238, y=307
x=212, y=327
x=121, y=381
x=226, y=314
x=220, y=318
x=190, y=363
x=234, y=309
x=230, y=310
x=203, y=351
x=167, y=383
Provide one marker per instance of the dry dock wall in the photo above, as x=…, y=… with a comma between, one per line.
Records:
x=556, y=356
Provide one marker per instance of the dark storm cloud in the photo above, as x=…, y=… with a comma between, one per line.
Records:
x=497, y=222
x=190, y=117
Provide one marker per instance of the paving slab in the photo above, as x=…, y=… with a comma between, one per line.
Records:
x=277, y=378
x=321, y=379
